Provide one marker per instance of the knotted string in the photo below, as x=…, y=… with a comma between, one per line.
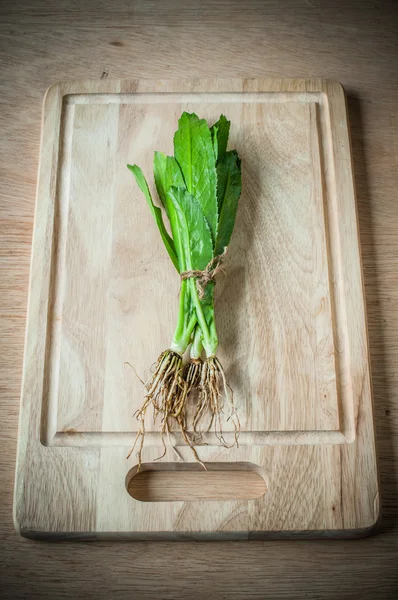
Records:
x=208, y=275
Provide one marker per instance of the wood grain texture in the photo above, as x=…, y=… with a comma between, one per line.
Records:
x=100, y=279
x=173, y=482
x=355, y=45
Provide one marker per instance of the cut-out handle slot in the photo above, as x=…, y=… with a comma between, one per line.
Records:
x=169, y=482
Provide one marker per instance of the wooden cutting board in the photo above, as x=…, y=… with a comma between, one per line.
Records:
x=290, y=314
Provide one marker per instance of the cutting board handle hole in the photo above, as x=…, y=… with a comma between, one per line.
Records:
x=189, y=482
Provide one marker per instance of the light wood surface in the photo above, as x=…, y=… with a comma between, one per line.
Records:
x=354, y=43
x=291, y=320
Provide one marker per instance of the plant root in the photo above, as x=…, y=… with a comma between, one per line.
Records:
x=191, y=377
x=167, y=393
x=214, y=394
x=192, y=374
x=162, y=390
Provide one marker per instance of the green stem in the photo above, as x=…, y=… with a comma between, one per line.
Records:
x=208, y=311
x=186, y=321
x=193, y=313
x=213, y=337
x=197, y=346
x=200, y=315
x=191, y=325
x=181, y=320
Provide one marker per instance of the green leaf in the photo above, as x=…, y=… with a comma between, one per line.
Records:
x=193, y=150
x=167, y=173
x=228, y=191
x=214, y=139
x=156, y=212
x=195, y=233
x=220, y=131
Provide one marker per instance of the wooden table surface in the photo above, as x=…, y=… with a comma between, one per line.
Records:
x=353, y=42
